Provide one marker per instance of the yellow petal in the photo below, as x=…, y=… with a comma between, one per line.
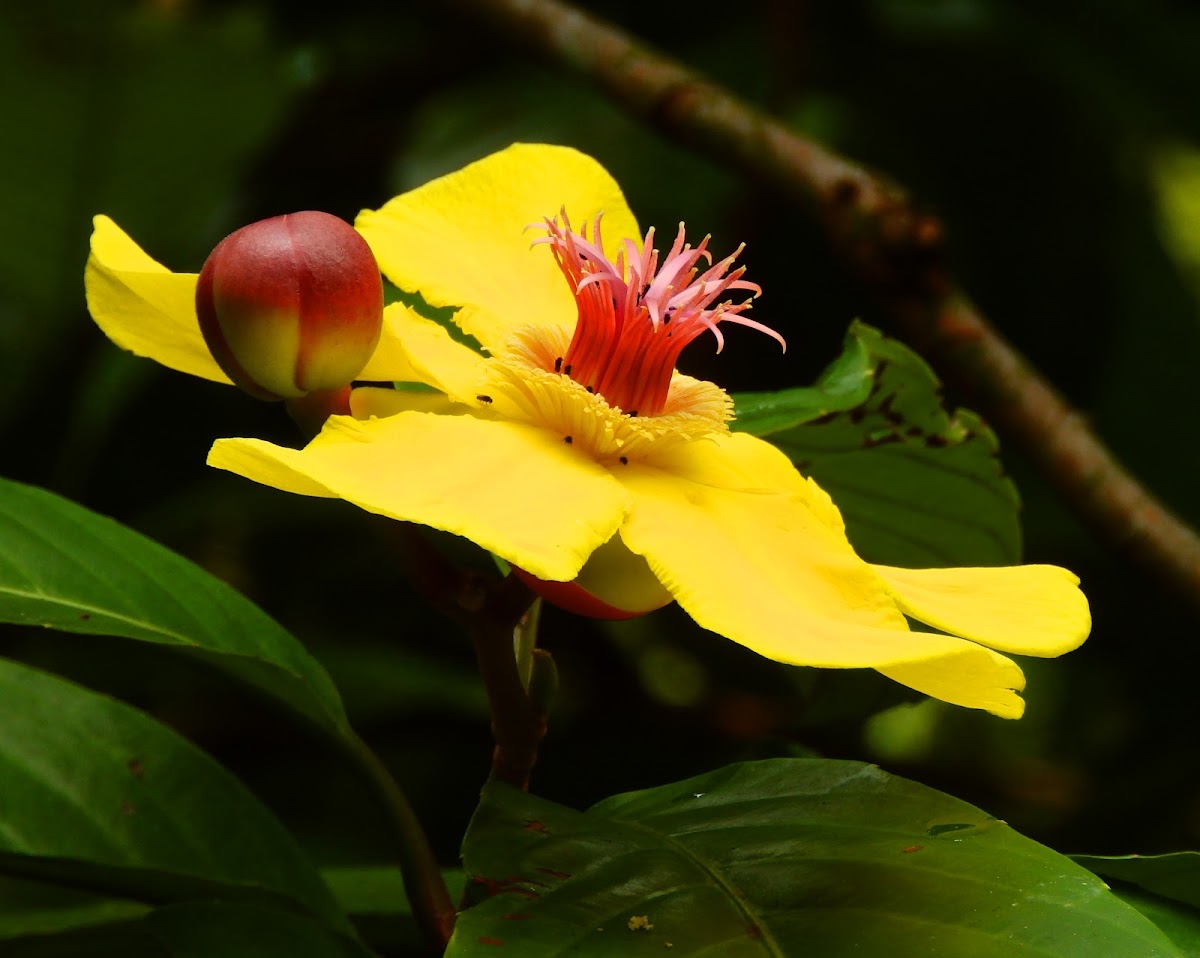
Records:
x=144, y=307
x=460, y=240
x=766, y=568
x=973, y=677
x=1029, y=609
x=758, y=565
x=425, y=353
x=376, y=402
x=513, y=489
x=389, y=362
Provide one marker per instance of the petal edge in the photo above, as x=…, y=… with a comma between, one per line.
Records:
x=460, y=239
x=142, y=306
x=513, y=489
x=1029, y=609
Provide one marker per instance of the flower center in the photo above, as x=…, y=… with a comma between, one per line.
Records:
x=636, y=315
x=611, y=391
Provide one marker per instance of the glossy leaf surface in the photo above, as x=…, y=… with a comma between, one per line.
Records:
x=781, y=857
x=64, y=567
x=99, y=796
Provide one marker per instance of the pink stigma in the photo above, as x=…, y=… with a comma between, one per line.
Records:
x=635, y=315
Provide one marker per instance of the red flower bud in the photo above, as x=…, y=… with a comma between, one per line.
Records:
x=291, y=304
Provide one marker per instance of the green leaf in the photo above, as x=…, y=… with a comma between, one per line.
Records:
x=66, y=568
x=123, y=939
x=1175, y=876
x=211, y=929
x=917, y=485
x=845, y=384
x=35, y=908
x=98, y=796
x=379, y=889
x=1164, y=888
x=782, y=857
x=198, y=930
x=1180, y=923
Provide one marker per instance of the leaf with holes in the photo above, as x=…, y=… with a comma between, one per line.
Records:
x=64, y=567
x=917, y=485
x=98, y=796
x=774, y=858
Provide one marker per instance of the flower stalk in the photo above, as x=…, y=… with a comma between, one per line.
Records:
x=500, y=616
x=432, y=906
x=508, y=662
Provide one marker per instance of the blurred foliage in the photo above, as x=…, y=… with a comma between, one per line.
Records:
x=1037, y=130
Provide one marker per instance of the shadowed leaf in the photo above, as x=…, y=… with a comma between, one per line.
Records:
x=917, y=485
x=1164, y=888
x=98, y=796
x=783, y=857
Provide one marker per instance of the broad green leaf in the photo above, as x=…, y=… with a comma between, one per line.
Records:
x=35, y=908
x=1175, y=875
x=99, y=796
x=917, y=485
x=379, y=889
x=1164, y=888
x=1179, y=922
x=119, y=940
x=213, y=929
x=64, y=567
x=207, y=929
x=782, y=857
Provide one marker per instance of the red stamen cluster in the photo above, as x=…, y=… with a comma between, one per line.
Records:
x=635, y=315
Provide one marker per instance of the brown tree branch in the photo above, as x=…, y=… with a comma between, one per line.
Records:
x=891, y=247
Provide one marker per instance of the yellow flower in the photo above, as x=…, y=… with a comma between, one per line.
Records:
x=548, y=466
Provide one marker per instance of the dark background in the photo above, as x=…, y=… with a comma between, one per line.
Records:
x=1047, y=135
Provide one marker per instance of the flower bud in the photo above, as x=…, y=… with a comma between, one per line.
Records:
x=291, y=304
x=613, y=584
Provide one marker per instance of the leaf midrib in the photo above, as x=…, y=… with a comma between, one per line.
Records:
x=77, y=605
x=740, y=904
x=761, y=919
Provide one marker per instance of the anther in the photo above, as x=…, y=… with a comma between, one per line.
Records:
x=624, y=460
x=558, y=365
x=568, y=439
